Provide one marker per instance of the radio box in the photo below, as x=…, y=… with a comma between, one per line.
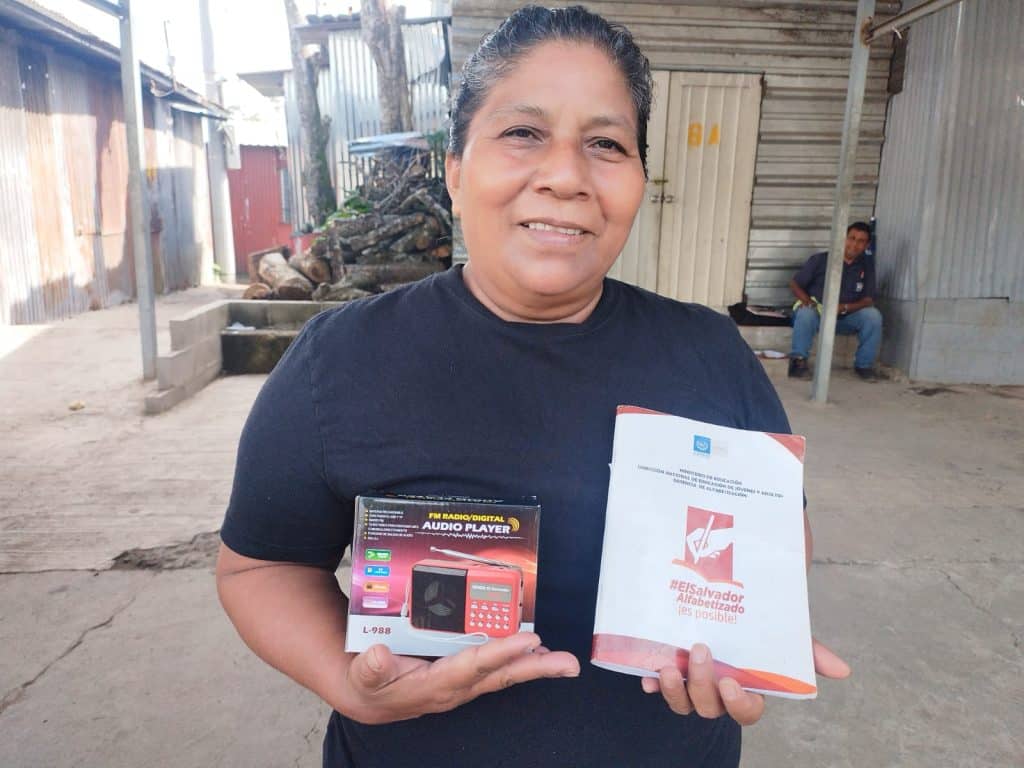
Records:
x=434, y=575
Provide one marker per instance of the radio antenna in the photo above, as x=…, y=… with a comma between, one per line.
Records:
x=474, y=558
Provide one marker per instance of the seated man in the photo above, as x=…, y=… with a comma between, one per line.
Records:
x=856, y=299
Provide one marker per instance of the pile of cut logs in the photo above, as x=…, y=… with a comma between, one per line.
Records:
x=402, y=235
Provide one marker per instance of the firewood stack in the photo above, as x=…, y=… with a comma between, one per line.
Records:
x=396, y=231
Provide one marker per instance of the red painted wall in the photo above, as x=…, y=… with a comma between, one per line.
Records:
x=256, y=214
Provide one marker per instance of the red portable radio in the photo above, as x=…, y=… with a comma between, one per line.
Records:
x=466, y=595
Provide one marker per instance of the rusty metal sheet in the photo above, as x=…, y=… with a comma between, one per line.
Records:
x=19, y=249
x=46, y=175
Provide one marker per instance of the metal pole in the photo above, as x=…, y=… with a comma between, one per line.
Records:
x=131, y=93
x=927, y=8
x=220, y=192
x=841, y=208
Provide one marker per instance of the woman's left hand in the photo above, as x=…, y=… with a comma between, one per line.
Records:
x=701, y=693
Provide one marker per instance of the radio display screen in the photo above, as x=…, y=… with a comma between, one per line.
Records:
x=494, y=593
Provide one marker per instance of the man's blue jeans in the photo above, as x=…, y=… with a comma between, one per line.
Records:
x=866, y=323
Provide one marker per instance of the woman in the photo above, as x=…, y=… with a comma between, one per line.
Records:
x=499, y=379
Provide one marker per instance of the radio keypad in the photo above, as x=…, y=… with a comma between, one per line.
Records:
x=487, y=616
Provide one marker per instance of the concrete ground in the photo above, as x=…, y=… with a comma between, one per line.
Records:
x=114, y=651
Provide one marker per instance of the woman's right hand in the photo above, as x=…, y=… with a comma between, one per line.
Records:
x=381, y=687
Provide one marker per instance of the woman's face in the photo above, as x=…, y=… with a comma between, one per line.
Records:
x=548, y=183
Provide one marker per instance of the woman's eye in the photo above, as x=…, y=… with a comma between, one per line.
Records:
x=610, y=145
x=520, y=133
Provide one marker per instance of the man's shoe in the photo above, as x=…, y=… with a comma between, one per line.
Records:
x=866, y=374
x=798, y=368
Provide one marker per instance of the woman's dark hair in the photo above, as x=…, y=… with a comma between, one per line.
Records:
x=528, y=27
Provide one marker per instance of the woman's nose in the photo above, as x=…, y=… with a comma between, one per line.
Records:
x=563, y=172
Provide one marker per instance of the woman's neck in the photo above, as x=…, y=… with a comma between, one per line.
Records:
x=568, y=311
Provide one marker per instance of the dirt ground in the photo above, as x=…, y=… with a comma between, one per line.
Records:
x=114, y=651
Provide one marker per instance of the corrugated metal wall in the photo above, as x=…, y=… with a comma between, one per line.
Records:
x=803, y=51
x=293, y=123
x=63, y=171
x=951, y=200
x=19, y=250
x=348, y=91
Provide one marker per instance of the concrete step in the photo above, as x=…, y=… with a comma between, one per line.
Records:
x=777, y=338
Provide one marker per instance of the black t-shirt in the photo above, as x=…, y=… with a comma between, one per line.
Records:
x=424, y=391
x=858, y=281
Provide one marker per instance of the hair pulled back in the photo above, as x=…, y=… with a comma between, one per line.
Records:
x=527, y=28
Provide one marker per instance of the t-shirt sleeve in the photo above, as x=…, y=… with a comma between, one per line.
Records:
x=282, y=506
x=805, y=275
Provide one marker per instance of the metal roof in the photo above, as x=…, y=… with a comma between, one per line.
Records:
x=60, y=32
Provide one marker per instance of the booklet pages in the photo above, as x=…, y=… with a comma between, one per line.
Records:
x=704, y=542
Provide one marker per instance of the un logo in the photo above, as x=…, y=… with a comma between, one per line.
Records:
x=702, y=445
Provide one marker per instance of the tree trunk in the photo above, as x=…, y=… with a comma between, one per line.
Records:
x=382, y=32
x=255, y=257
x=316, y=178
x=317, y=270
x=360, y=280
x=287, y=283
x=258, y=291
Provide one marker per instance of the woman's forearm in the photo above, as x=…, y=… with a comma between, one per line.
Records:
x=291, y=616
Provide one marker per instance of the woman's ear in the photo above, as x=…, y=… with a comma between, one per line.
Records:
x=453, y=180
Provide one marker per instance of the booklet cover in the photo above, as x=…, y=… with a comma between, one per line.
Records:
x=704, y=542
x=433, y=575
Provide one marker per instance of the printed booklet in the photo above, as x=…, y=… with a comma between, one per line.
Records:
x=433, y=575
x=704, y=542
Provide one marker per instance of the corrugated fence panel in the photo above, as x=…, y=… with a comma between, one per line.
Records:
x=350, y=88
x=197, y=158
x=47, y=179
x=77, y=126
x=112, y=190
x=803, y=51
x=19, y=249
x=978, y=248
x=300, y=213
x=952, y=189
x=188, y=139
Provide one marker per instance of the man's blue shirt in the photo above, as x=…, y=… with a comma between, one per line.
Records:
x=858, y=278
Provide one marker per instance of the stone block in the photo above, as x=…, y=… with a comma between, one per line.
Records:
x=948, y=336
x=929, y=365
x=989, y=313
x=249, y=312
x=176, y=368
x=1006, y=369
x=290, y=315
x=971, y=366
x=159, y=402
x=767, y=336
x=208, y=352
x=1015, y=315
x=197, y=324
x=202, y=377
x=939, y=310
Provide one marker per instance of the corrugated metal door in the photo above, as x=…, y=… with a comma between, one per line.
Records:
x=689, y=240
x=256, y=213
x=709, y=178
x=638, y=262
